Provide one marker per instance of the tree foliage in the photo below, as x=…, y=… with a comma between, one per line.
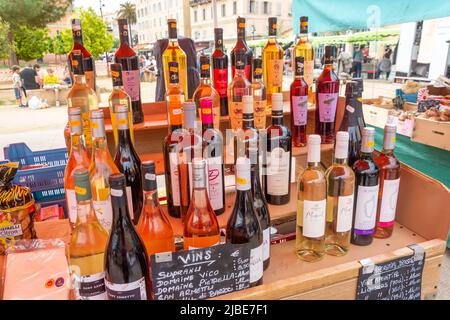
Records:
x=127, y=11
x=4, y=45
x=31, y=44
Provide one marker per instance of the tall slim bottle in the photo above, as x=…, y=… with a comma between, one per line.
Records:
x=243, y=225
x=238, y=88
x=311, y=206
x=327, y=95
x=304, y=49
x=201, y=229
x=340, y=199
x=273, y=59
x=220, y=71
x=174, y=53
x=82, y=96
x=128, y=163
x=129, y=60
x=277, y=177
x=87, y=246
x=154, y=227
x=241, y=46
x=171, y=144
x=366, y=192
x=206, y=90
x=127, y=275
x=389, y=184
x=259, y=95
x=299, y=104
x=101, y=167
x=119, y=97
x=78, y=159
x=213, y=153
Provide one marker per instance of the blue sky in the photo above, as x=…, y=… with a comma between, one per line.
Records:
x=109, y=5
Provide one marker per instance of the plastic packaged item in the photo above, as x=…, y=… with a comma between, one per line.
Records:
x=16, y=208
x=37, y=270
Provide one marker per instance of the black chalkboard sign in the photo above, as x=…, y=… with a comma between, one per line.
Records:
x=399, y=279
x=201, y=273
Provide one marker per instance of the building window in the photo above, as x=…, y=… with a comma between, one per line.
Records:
x=159, y=6
x=195, y=16
x=224, y=13
x=234, y=7
x=204, y=14
x=251, y=6
x=266, y=7
x=146, y=11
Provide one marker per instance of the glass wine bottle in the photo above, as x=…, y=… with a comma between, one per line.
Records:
x=101, y=167
x=340, y=199
x=119, y=97
x=327, y=92
x=154, y=226
x=366, y=192
x=78, y=159
x=389, y=184
x=129, y=60
x=277, y=177
x=311, y=206
x=127, y=274
x=238, y=88
x=273, y=58
x=241, y=46
x=259, y=95
x=213, y=153
x=243, y=225
x=174, y=53
x=299, y=104
x=304, y=49
x=128, y=163
x=205, y=89
x=201, y=229
x=87, y=246
x=220, y=71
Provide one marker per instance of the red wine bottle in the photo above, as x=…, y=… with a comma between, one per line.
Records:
x=299, y=104
x=220, y=71
x=327, y=94
x=241, y=45
x=128, y=58
x=126, y=262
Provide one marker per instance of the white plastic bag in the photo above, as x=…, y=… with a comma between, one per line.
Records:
x=35, y=103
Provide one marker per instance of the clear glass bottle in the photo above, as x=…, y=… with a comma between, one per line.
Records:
x=311, y=206
x=259, y=95
x=340, y=199
x=87, y=246
x=304, y=49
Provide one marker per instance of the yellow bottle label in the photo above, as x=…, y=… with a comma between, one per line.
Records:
x=275, y=72
x=370, y=144
x=87, y=129
x=80, y=191
x=241, y=181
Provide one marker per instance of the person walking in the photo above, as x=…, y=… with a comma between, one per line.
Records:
x=384, y=66
x=345, y=61
x=358, y=58
x=17, y=85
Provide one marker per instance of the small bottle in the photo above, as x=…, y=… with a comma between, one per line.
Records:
x=366, y=192
x=259, y=95
x=78, y=159
x=220, y=71
x=243, y=225
x=299, y=104
x=87, y=246
x=102, y=166
x=241, y=46
x=340, y=200
x=127, y=273
x=201, y=229
x=311, y=206
x=389, y=184
x=154, y=227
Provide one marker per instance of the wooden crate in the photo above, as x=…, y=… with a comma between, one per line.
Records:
x=432, y=133
x=375, y=115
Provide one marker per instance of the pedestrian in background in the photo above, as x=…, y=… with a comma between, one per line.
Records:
x=17, y=85
x=358, y=59
x=384, y=66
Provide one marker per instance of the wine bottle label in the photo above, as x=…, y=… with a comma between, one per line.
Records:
x=366, y=210
x=130, y=202
x=389, y=202
x=300, y=110
x=278, y=172
x=131, y=84
x=260, y=113
x=248, y=71
x=309, y=72
x=90, y=79
x=266, y=244
x=87, y=131
x=275, y=71
x=221, y=82
x=344, y=213
x=256, y=264
x=91, y=287
x=173, y=160
x=215, y=181
x=103, y=211
x=199, y=181
x=327, y=106
x=71, y=205
x=314, y=215
x=237, y=108
x=126, y=291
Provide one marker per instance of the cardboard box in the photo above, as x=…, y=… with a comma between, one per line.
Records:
x=432, y=133
x=375, y=115
x=405, y=127
x=438, y=91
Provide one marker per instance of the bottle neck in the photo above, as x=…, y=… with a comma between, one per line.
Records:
x=248, y=121
x=240, y=72
x=205, y=79
x=328, y=67
x=77, y=143
x=277, y=119
x=120, y=208
x=151, y=200
x=80, y=79
x=340, y=161
x=313, y=165
x=388, y=152
x=124, y=136
x=85, y=212
x=257, y=79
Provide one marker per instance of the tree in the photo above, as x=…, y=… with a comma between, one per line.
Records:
x=96, y=37
x=31, y=44
x=4, y=45
x=29, y=13
x=127, y=11
x=57, y=45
